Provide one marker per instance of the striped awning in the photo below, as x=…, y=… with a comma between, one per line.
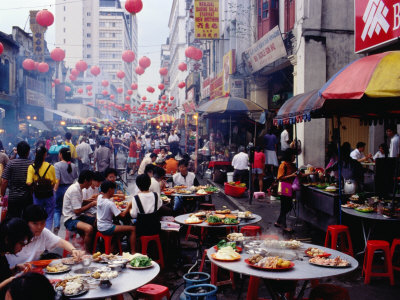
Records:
x=299, y=108
x=162, y=119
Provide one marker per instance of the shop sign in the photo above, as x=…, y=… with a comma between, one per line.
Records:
x=192, y=80
x=229, y=67
x=206, y=19
x=265, y=51
x=189, y=107
x=190, y=94
x=205, y=88
x=377, y=22
x=217, y=86
x=35, y=93
x=37, y=33
x=237, y=87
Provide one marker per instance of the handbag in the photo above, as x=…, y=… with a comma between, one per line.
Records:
x=285, y=189
x=296, y=185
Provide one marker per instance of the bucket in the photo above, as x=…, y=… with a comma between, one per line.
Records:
x=194, y=278
x=229, y=176
x=201, y=291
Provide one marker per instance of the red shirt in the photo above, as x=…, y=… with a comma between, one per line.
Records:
x=132, y=149
x=259, y=160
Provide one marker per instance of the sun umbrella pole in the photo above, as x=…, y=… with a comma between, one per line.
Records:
x=296, y=144
x=230, y=127
x=340, y=170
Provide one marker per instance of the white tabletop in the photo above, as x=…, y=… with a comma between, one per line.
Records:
x=302, y=269
x=181, y=220
x=370, y=215
x=127, y=280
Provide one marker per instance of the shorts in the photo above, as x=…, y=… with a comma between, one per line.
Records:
x=109, y=231
x=131, y=160
x=257, y=171
x=70, y=224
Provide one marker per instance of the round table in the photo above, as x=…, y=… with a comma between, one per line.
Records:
x=127, y=280
x=302, y=270
x=181, y=220
x=373, y=217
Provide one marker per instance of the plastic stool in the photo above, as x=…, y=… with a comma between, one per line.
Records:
x=251, y=230
x=259, y=195
x=107, y=243
x=207, y=206
x=269, y=237
x=332, y=236
x=188, y=235
x=329, y=292
x=154, y=291
x=395, y=243
x=145, y=239
x=372, y=246
x=214, y=273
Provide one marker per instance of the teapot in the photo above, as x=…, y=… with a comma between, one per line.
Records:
x=350, y=186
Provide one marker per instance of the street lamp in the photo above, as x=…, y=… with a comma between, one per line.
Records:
x=63, y=123
x=28, y=117
x=196, y=117
x=34, y=117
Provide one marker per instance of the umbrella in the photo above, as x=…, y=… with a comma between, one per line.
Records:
x=161, y=119
x=231, y=105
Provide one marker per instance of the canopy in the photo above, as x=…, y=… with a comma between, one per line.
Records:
x=161, y=119
x=64, y=116
x=229, y=104
x=38, y=125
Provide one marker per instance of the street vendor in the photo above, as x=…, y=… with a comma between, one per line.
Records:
x=358, y=153
x=183, y=177
x=240, y=163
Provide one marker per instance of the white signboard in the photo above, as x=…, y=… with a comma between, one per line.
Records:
x=265, y=51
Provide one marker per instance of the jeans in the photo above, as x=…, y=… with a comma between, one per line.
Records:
x=82, y=166
x=178, y=203
x=48, y=204
x=59, y=204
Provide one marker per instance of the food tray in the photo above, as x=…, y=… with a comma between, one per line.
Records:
x=269, y=269
x=225, y=260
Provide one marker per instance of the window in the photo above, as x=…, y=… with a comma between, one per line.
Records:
x=88, y=13
x=64, y=41
x=89, y=46
x=88, y=24
x=64, y=30
x=88, y=56
x=265, y=9
x=102, y=24
x=65, y=19
x=5, y=76
x=88, y=35
x=64, y=7
x=113, y=34
x=112, y=24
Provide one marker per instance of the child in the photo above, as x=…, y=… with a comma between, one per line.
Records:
x=106, y=210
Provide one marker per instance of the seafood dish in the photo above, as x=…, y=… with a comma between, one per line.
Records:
x=57, y=268
x=269, y=262
x=291, y=244
x=72, y=286
x=235, y=237
x=329, y=262
x=314, y=252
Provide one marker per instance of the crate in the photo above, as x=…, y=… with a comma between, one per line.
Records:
x=234, y=191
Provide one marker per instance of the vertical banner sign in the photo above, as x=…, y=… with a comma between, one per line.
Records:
x=377, y=22
x=37, y=34
x=229, y=67
x=206, y=19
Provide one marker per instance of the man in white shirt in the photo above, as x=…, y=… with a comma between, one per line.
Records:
x=74, y=208
x=358, y=153
x=285, y=140
x=146, y=160
x=240, y=163
x=173, y=141
x=84, y=151
x=92, y=192
x=183, y=177
x=394, y=149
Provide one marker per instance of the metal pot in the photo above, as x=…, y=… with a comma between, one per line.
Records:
x=350, y=186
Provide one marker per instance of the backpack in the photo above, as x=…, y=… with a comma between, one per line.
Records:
x=42, y=187
x=147, y=224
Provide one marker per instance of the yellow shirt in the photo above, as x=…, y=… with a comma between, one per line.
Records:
x=51, y=173
x=72, y=148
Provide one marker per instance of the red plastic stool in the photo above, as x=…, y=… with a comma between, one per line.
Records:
x=251, y=230
x=395, y=243
x=214, y=273
x=329, y=292
x=372, y=246
x=154, y=291
x=107, y=243
x=207, y=206
x=145, y=239
x=269, y=237
x=188, y=235
x=332, y=237
x=70, y=235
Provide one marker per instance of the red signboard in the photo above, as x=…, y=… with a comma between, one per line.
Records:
x=217, y=86
x=377, y=22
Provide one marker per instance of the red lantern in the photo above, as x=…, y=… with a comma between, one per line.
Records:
x=144, y=62
x=182, y=66
x=134, y=86
x=80, y=90
x=150, y=89
x=159, y=101
x=1, y=48
x=128, y=56
x=44, y=18
x=75, y=72
x=36, y=65
x=104, y=83
x=89, y=87
x=43, y=67
x=139, y=70
x=163, y=102
x=120, y=90
x=112, y=97
x=127, y=98
x=172, y=98
x=120, y=74
x=57, y=54
x=144, y=98
x=81, y=66
x=28, y=64
x=161, y=86
x=72, y=77
x=181, y=85
x=165, y=109
x=130, y=92
x=190, y=51
x=57, y=81
x=163, y=71
x=67, y=88
x=53, y=84
x=105, y=93
x=95, y=70
x=169, y=104
x=90, y=93
x=162, y=106
x=133, y=6
x=198, y=54
x=163, y=97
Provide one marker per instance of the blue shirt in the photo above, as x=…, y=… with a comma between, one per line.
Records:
x=270, y=142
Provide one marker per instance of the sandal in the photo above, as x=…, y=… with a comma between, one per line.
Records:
x=276, y=224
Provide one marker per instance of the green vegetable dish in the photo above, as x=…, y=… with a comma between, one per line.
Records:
x=230, y=221
x=141, y=261
x=223, y=244
x=213, y=219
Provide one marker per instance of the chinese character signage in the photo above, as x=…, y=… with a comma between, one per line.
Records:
x=217, y=86
x=37, y=34
x=229, y=67
x=265, y=51
x=206, y=19
x=377, y=22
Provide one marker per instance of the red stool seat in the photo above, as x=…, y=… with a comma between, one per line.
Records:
x=395, y=243
x=251, y=230
x=214, y=273
x=372, y=246
x=107, y=243
x=145, y=239
x=335, y=234
x=329, y=292
x=154, y=291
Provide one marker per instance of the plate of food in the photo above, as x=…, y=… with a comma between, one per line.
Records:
x=201, y=192
x=330, y=188
x=235, y=236
x=70, y=261
x=104, y=258
x=199, y=214
x=193, y=220
x=269, y=263
x=57, y=268
x=140, y=261
x=223, y=211
x=180, y=187
x=214, y=220
x=72, y=287
x=230, y=221
x=275, y=244
x=316, y=252
x=226, y=254
x=364, y=209
x=246, y=215
x=211, y=190
x=223, y=244
x=350, y=205
x=104, y=273
x=41, y=263
x=337, y=262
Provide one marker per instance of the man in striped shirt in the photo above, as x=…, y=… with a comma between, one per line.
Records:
x=14, y=177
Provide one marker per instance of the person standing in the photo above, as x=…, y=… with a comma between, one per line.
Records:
x=14, y=177
x=240, y=163
x=132, y=157
x=258, y=167
x=270, y=145
x=173, y=141
x=102, y=157
x=285, y=140
x=71, y=146
x=147, y=160
x=394, y=149
x=83, y=151
x=42, y=176
x=66, y=174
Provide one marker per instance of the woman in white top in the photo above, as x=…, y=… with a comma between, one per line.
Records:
x=382, y=152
